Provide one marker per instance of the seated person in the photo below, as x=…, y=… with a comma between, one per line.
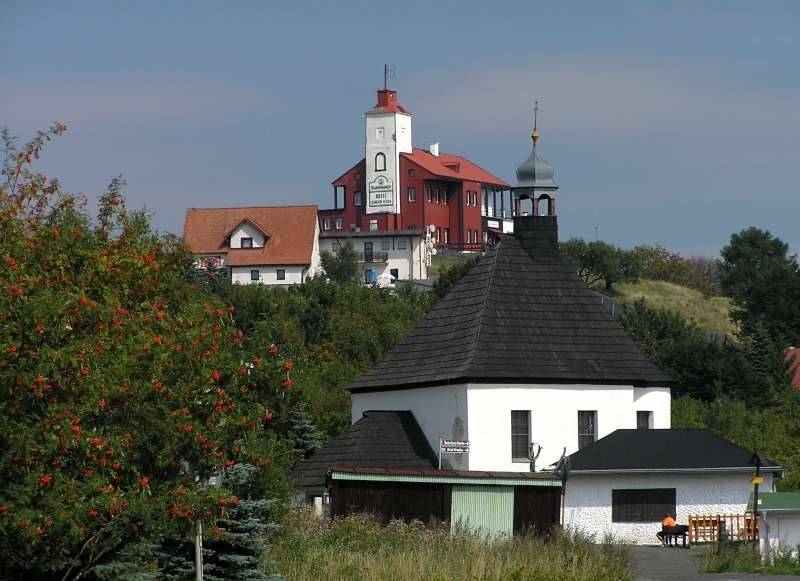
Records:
x=668, y=521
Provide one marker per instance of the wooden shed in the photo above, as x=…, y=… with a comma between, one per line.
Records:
x=493, y=504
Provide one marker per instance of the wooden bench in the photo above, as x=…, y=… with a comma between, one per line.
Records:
x=670, y=535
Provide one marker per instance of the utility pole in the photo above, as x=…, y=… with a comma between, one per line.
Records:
x=198, y=551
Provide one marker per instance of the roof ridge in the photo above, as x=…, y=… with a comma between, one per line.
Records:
x=253, y=207
x=468, y=359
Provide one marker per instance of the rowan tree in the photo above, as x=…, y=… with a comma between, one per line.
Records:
x=125, y=384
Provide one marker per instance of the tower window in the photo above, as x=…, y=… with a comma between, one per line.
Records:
x=412, y=194
x=379, y=133
x=380, y=162
x=357, y=198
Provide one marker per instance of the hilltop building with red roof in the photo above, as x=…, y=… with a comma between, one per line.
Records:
x=400, y=187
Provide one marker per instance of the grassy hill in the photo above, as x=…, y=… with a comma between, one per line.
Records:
x=711, y=313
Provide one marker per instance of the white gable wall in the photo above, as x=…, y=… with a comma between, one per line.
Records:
x=440, y=411
x=247, y=230
x=268, y=274
x=587, y=503
x=554, y=417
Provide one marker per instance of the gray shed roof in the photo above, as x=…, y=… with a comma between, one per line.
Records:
x=521, y=315
x=380, y=439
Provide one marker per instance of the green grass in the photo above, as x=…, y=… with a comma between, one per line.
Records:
x=439, y=262
x=744, y=559
x=711, y=313
x=359, y=549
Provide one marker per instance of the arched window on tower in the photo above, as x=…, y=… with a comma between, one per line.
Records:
x=380, y=162
x=544, y=206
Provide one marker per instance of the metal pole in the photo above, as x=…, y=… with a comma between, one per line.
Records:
x=440, y=453
x=755, y=502
x=198, y=551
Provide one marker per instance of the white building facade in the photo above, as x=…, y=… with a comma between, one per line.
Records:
x=588, y=502
x=384, y=257
x=484, y=413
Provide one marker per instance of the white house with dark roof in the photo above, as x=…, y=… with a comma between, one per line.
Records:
x=520, y=356
x=624, y=484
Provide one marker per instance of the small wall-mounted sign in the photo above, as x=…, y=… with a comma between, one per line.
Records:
x=452, y=447
x=758, y=480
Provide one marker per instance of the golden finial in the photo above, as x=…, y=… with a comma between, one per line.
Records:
x=535, y=132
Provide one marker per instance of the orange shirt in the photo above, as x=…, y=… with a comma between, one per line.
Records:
x=668, y=522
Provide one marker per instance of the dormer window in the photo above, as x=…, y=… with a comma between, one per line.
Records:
x=246, y=242
x=380, y=162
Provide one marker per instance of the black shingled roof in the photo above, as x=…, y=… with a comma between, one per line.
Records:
x=673, y=449
x=520, y=315
x=380, y=439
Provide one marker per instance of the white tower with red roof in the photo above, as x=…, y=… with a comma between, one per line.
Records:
x=388, y=134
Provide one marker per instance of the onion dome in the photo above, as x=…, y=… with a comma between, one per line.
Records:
x=535, y=172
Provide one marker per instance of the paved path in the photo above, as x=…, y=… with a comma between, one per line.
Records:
x=657, y=564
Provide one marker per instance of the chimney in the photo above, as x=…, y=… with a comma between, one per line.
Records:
x=434, y=149
x=539, y=236
x=387, y=98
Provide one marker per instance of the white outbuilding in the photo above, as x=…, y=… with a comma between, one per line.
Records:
x=625, y=483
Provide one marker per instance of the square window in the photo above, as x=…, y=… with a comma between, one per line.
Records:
x=401, y=244
x=412, y=194
x=411, y=172
x=246, y=243
x=395, y=273
x=281, y=274
x=520, y=435
x=338, y=223
x=385, y=244
x=644, y=420
x=587, y=428
x=255, y=275
x=642, y=505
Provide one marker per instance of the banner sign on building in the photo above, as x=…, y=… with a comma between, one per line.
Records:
x=380, y=192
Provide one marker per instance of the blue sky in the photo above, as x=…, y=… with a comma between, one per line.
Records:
x=668, y=122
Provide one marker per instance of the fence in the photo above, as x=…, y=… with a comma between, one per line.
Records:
x=722, y=527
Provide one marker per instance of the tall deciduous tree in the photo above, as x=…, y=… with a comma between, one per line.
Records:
x=125, y=384
x=341, y=266
x=763, y=279
x=599, y=261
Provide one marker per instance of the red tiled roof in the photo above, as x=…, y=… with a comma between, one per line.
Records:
x=291, y=229
x=466, y=170
x=793, y=357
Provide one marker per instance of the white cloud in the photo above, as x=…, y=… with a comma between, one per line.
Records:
x=605, y=99
x=123, y=100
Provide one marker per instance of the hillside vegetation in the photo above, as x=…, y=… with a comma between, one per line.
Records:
x=710, y=313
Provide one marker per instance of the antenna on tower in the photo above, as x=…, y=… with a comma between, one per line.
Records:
x=386, y=70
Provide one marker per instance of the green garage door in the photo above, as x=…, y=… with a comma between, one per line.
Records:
x=485, y=509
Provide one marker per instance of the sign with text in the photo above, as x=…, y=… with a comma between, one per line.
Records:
x=453, y=446
x=380, y=192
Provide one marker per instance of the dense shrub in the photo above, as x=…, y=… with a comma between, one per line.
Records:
x=359, y=548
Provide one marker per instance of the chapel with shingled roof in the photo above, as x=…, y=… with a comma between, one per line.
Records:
x=520, y=359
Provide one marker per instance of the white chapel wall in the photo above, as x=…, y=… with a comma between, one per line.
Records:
x=440, y=411
x=554, y=418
